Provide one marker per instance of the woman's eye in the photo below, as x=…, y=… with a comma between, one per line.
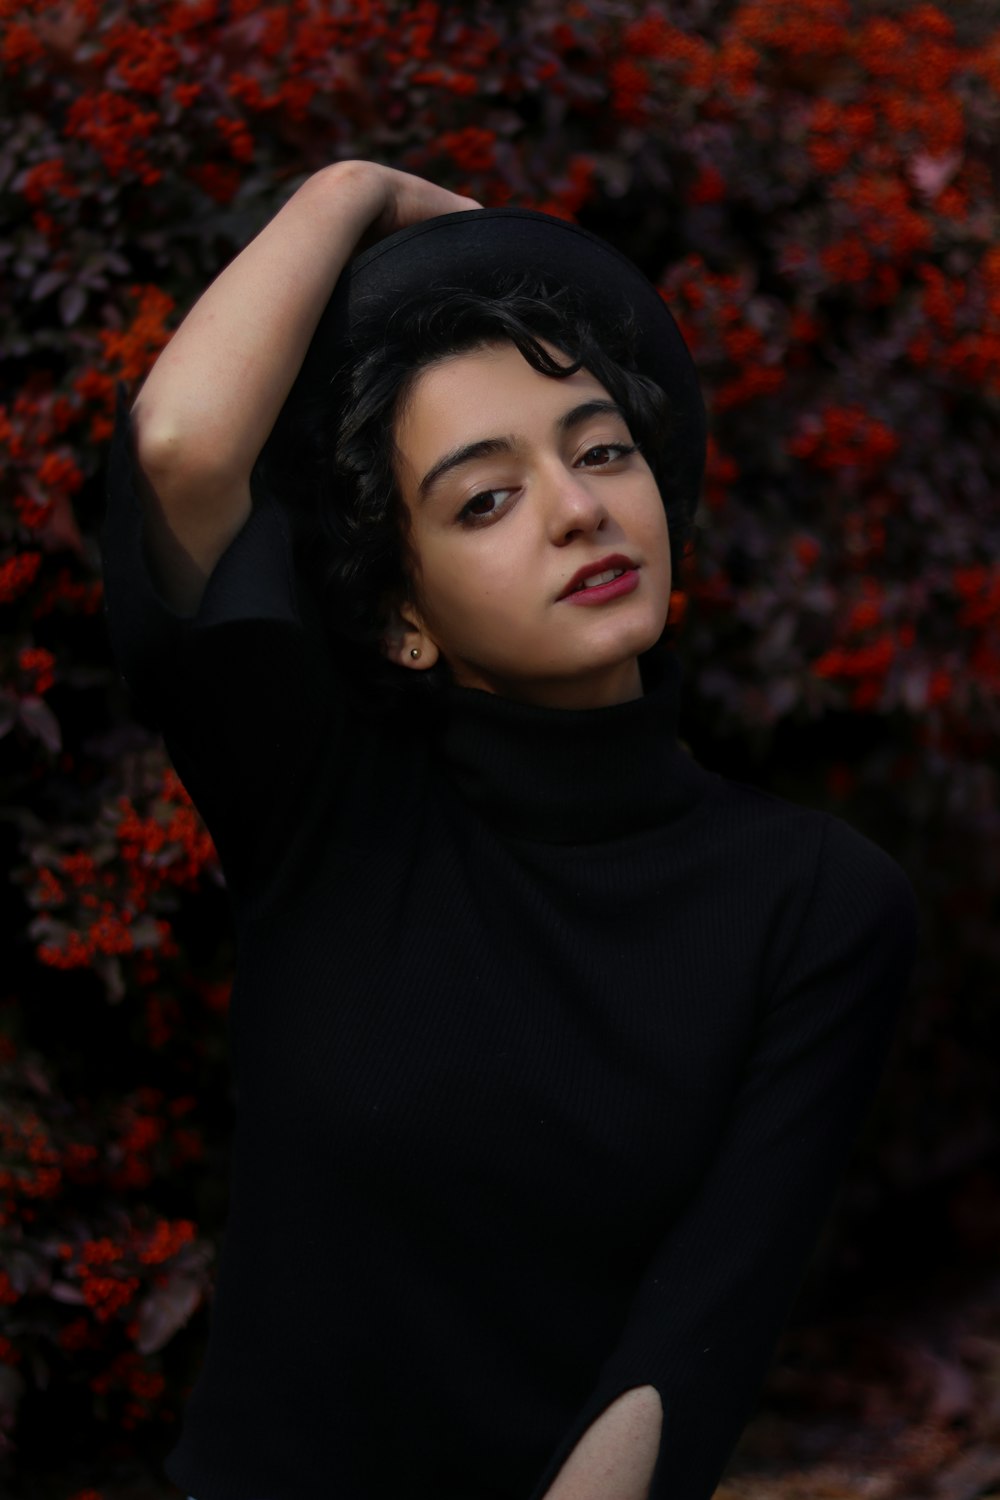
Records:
x=480, y=507
x=619, y=450
x=485, y=497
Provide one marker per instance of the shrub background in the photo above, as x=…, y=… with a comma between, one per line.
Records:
x=813, y=186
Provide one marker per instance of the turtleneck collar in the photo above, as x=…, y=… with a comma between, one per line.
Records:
x=574, y=776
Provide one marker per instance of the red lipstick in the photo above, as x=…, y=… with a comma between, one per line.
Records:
x=624, y=585
x=603, y=591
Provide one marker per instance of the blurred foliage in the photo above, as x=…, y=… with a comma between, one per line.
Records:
x=812, y=184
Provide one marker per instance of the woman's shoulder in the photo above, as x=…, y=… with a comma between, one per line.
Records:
x=771, y=821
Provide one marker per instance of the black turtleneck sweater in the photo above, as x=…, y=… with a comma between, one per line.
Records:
x=549, y=1047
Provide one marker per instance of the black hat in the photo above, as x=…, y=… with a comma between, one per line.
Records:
x=469, y=249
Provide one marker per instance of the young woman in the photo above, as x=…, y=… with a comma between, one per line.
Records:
x=550, y=1046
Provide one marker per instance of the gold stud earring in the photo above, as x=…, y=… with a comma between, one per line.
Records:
x=414, y=652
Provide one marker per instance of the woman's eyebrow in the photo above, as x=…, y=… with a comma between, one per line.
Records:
x=485, y=447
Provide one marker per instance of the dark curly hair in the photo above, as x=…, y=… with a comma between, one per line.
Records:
x=332, y=457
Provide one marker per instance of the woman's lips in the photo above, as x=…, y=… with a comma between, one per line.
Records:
x=602, y=592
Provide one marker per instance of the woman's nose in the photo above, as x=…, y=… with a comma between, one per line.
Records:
x=574, y=504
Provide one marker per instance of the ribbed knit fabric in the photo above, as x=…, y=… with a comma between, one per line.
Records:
x=550, y=1048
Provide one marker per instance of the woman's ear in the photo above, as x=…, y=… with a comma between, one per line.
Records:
x=405, y=633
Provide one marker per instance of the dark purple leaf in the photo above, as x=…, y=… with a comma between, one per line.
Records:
x=72, y=301
x=46, y=283
x=165, y=1309
x=38, y=718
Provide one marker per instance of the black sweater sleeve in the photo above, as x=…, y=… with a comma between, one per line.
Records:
x=245, y=691
x=705, y=1319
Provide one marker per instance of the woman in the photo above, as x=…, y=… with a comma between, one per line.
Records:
x=550, y=1046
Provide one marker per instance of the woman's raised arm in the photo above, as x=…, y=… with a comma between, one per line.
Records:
x=210, y=401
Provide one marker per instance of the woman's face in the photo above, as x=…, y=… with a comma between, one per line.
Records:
x=489, y=575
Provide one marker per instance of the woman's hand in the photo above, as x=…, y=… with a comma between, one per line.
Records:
x=615, y=1458
x=401, y=199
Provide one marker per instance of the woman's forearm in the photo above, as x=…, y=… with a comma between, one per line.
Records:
x=212, y=396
